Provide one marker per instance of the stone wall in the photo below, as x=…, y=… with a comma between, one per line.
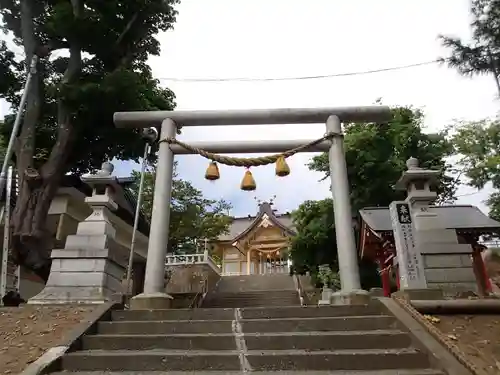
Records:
x=450, y=272
x=188, y=278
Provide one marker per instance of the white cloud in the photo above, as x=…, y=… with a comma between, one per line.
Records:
x=274, y=38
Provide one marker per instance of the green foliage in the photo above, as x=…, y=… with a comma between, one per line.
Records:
x=478, y=145
x=92, y=62
x=114, y=38
x=481, y=55
x=315, y=242
x=376, y=156
x=328, y=278
x=192, y=217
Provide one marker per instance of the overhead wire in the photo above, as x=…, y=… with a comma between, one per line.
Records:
x=310, y=77
x=299, y=78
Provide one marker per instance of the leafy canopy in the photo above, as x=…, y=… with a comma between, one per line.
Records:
x=315, y=242
x=93, y=62
x=478, y=145
x=482, y=54
x=113, y=39
x=193, y=217
x=376, y=157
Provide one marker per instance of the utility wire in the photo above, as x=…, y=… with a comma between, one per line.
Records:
x=347, y=74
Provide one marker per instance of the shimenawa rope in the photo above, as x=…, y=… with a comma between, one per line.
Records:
x=248, y=162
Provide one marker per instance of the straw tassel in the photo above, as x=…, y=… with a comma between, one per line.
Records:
x=282, y=168
x=212, y=172
x=248, y=182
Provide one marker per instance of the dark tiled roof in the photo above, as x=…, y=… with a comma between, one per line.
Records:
x=454, y=217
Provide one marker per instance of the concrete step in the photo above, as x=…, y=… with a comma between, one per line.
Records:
x=381, y=339
x=151, y=360
x=333, y=340
x=337, y=360
x=353, y=323
x=283, y=360
x=173, y=314
x=376, y=372
x=247, y=313
x=310, y=311
x=281, y=297
x=241, y=302
x=220, y=341
x=244, y=304
x=165, y=327
x=246, y=283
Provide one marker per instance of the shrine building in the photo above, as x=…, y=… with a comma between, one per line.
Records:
x=255, y=245
x=468, y=222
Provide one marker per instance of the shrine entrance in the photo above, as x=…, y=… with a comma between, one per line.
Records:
x=172, y=121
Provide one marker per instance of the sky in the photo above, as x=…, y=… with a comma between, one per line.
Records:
x=277, y=38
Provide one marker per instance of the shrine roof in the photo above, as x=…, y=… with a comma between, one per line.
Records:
x=464, y=217
x=242, y=225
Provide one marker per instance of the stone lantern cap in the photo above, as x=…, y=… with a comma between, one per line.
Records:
x=415, y=173
x=102, y=177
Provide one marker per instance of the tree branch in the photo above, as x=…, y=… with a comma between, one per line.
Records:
x=128, y=27
x=26, y=141
x=66, y=132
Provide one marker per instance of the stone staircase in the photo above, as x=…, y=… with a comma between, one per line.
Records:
x=255, y=283
x=253, y=291
x=335, y=340
x=251, y=299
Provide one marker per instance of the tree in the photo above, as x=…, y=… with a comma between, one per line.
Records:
x=193, y=218
x=482, y=54
x=98, y=66
x=376, y=156
x=478, y=144
x=314, y=243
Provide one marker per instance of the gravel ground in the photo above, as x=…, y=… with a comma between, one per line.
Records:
x=477, y=336
x=28, y=331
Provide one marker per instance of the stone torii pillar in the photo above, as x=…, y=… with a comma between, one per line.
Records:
x=154, y=296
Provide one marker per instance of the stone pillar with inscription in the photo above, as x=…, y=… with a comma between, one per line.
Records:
x=446, y=265
x=411, y=267
x=91, y=266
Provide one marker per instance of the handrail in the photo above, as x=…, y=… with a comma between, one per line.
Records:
x=304, y=300
x=203, y=291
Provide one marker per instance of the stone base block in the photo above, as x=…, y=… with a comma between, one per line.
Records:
x=154, y=301
x=377, y=292
x=355, y=297
x=420, y=294
x=82, y=276
x=54, y=295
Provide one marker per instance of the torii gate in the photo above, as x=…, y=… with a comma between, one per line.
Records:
x=154, y=296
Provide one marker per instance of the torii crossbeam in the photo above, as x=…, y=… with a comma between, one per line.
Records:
x=154, y=295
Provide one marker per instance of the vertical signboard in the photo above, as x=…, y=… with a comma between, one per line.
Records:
x=411, y=268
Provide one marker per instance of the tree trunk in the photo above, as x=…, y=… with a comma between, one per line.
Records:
x=31, y=241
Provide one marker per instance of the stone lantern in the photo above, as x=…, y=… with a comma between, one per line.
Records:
x=91, y=266
x=418, y=183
